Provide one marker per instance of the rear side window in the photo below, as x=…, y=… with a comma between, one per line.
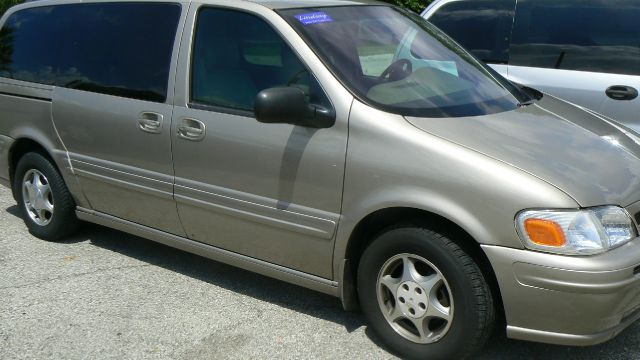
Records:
x=594, y=35
x=482, y=26
x=29, y=45
x=121, y=49
x=236, y=55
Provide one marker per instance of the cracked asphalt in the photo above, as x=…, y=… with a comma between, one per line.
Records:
x=104, y=294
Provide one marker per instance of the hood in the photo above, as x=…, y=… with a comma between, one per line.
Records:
x=594, y=160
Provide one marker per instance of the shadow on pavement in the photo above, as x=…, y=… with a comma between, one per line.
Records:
x=295, y=298
x=240, y=281
x=13, y=210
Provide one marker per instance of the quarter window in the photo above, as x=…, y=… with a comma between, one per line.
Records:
x=121, y=49
x=236, y=55
x=588, y=35
x=483, y=26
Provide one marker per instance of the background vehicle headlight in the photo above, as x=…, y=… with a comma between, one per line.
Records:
x=576, y=232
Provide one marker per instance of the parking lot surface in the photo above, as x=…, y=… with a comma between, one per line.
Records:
x=104, y=294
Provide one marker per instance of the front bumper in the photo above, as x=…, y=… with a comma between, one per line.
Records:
x=568, y=300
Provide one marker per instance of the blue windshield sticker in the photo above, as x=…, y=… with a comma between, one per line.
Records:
x=314, y=18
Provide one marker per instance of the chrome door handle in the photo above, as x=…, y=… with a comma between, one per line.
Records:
x=191, y=129
x=150, y=122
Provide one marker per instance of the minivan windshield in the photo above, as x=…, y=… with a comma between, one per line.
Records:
x=398, y=62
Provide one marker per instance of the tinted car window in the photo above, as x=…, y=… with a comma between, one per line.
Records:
x=482, y=26
x=594, y=35
x=236, y=55
x=29, y=43
x=121, y=49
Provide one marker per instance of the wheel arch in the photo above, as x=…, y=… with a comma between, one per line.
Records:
x=378, y=221
x=20, y=147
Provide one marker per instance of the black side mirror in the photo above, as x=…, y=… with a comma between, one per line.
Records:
x=287, y=105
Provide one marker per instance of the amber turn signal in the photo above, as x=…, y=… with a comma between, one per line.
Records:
x=545, y=232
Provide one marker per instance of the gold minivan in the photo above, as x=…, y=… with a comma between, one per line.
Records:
x=346, y=146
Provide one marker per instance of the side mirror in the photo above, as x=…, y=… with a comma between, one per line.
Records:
x=287, y=105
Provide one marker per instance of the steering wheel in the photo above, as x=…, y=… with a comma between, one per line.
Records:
x=296, y=77
x=398, y=70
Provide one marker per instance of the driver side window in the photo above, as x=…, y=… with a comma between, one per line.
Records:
x=236, y=55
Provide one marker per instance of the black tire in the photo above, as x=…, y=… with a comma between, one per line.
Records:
x=473, y=315
x=63, y=221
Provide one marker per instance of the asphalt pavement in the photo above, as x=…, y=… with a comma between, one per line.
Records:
x=104, y=294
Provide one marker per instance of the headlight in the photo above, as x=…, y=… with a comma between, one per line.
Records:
x=575, y=232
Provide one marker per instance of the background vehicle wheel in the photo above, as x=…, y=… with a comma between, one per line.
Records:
x=424, y=296
x=43, y=198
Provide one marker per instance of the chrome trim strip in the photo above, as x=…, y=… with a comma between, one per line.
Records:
x=25, y=90
x=255, y=208
x=123, y=184
x=267, y=220
x=228, y=257
x=149, y=182
x=124, y=171
x=4, y=93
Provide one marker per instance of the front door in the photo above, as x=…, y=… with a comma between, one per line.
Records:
x=268, y=191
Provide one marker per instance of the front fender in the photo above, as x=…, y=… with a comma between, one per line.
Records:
x=392, y=164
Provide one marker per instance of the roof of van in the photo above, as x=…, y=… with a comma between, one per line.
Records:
x=271, y=4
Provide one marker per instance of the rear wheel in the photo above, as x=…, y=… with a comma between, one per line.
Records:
x=424, y=296
x=45, y=203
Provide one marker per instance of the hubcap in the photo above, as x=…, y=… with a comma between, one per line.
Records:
x=37, y=197
x=412, y=299
x=415, y=298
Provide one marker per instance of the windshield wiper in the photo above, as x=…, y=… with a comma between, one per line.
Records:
x=531, y=95
x=526, y=103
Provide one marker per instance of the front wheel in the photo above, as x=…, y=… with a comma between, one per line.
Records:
x=424, y=296
x=46, y=205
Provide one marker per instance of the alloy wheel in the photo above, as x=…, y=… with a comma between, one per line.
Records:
x=415, y=298
x=37, y=197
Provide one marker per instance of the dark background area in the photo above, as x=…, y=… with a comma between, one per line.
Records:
x=5, y=4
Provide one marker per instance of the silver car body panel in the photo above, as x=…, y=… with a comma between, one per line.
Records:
x=285, y=201
x=582, y=88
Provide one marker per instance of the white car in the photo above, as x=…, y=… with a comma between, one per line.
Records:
x=586, y=52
